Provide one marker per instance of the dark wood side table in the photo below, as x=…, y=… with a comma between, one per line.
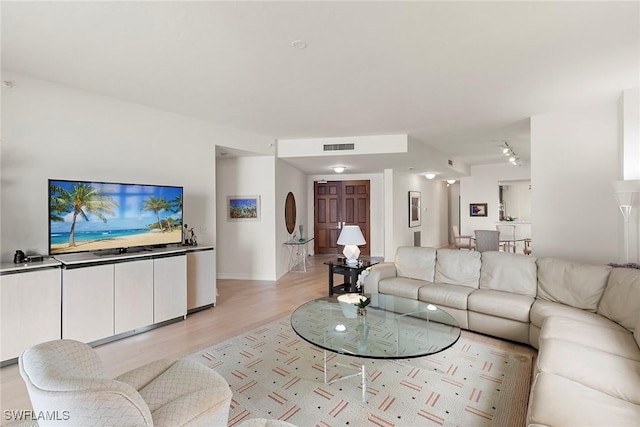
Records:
x=349, y=272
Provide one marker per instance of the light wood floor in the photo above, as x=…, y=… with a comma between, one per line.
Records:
x=241, y=306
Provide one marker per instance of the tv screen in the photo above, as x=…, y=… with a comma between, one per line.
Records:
x=89, y=216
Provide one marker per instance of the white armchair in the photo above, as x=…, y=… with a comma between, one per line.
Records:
x=462, y=242
x=66, y=377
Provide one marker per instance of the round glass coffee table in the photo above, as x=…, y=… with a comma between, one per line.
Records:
x=392, y=328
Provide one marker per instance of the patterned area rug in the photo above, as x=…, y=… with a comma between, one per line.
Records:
x=275, y=374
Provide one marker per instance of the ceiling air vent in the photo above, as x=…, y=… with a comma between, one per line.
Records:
x=450, y=162
x=338, y=147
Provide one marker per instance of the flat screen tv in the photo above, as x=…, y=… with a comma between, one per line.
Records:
x=87, y=216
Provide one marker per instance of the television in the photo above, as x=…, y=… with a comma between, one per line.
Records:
x=86, y=216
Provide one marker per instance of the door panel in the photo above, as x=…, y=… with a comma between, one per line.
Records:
x=338, y=203
x=327, y=217
x=356, y=209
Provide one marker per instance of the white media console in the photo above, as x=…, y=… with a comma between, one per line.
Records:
x=96, y=298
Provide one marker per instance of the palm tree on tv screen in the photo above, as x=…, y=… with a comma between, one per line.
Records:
x=59, y=203
x=176, y=204
x=156, y=205
x=83, y=200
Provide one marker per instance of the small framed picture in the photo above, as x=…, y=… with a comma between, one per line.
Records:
x=478, y=209
x=243, y=208
x=414, y=208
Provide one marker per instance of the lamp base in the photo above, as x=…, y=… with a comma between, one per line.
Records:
x=351, y=253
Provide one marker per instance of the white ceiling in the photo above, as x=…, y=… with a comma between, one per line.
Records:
x=458, y=76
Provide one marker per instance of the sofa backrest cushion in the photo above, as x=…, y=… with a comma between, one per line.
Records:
x=508, y=272
x=415, y=262
x=458, y=267
x=636, y=333
x=575, y=284
x=621, y=299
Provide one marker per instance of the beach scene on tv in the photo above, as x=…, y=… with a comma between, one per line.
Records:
x=88, y=216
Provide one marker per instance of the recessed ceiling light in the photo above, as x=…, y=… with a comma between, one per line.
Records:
x=430, y=175
x=338, y=169
x=299, y=44
x=451, y=181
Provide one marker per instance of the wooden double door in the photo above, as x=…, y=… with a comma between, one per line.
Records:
x=336, y=204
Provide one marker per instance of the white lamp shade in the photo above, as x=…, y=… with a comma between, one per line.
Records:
x=351, y=236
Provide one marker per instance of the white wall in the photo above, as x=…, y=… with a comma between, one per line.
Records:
x=574, y=161
x=246, y=248
x=53, y=131
x=289, y=179
x=434, y=210
x=454, y=207
x=376, y=205
x=629, y=137
x=516, y=196
x=629, y=161
x=482, y=187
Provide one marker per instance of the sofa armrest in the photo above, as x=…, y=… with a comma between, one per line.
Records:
x=378, y=272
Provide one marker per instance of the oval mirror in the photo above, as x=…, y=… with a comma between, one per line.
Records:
x=290, y=212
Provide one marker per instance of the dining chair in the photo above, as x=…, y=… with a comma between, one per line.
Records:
x=527, y=246
x=487, y=240
x=507, y=237
x=462, y=242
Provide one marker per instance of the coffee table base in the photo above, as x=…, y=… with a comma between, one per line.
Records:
x=361, y=372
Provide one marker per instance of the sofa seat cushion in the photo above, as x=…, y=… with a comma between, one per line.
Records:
x=415, y=262
x=570, y=283
x=599, y=337
x=446, y=295
x=504, y=271
x=501, y=304
x=608, y=373
x=186, y=391
x=558, y=401
x=458, y=267
x=621, y=299
x=540, y=310
x=400, y=287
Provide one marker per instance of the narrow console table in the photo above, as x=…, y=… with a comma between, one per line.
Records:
x=298, y=254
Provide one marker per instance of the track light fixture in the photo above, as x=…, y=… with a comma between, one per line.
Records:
x=508, y=152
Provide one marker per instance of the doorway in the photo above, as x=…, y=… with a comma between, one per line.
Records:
x=339, y=203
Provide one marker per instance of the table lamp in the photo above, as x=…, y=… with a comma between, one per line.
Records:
x=351, y=236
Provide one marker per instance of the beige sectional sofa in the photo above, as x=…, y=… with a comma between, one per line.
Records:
x=583, y=319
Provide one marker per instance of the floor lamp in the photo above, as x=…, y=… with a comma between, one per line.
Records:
x=624, y=192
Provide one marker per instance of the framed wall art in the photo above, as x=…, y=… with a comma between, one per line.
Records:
x=478, y=209
x=414, y=209
x=243, y=208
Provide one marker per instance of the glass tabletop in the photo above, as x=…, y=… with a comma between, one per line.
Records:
x=299, y=241
x=342, y=263
x=393, y=328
